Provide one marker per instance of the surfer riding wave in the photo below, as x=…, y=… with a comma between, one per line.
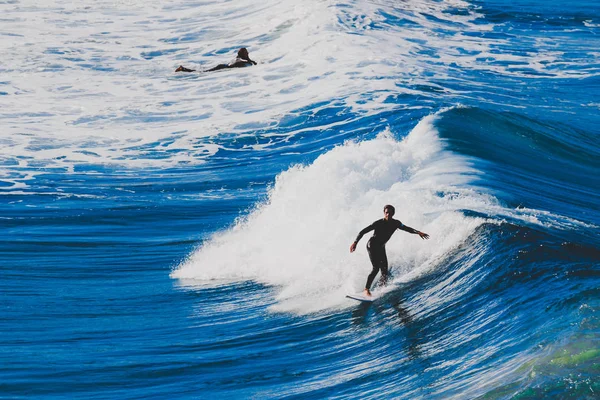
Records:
x=383, y=230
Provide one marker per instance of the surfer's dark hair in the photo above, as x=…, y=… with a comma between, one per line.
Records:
x=243, y=53
x=391, y=209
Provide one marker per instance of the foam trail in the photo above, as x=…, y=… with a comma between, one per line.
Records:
x=298, y=240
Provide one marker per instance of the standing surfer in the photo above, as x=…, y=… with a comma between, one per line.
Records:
x=242, y=60
x=384, y=229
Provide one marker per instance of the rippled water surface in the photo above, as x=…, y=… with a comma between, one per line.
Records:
x=185, y=235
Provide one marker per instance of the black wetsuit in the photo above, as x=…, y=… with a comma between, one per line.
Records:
x=376, y=245
x=238, y=63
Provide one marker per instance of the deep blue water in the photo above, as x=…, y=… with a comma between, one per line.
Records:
x=186, y=236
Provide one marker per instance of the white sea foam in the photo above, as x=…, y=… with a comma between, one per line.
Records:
x=94, y=83
x=298, y=240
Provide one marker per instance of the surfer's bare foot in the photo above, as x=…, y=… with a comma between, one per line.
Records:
x=367, y=292
x=184, y=69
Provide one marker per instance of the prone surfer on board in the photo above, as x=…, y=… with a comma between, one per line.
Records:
x=384, y=229
x=242, y=60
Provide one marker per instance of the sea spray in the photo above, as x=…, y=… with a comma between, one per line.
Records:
x=298, y=239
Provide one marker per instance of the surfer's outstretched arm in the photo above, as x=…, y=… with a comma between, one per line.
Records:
x=408, y=229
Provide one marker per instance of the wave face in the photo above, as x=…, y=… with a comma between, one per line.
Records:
x=293, y=239
x=186, y=235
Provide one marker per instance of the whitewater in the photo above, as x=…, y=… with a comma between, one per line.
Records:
x=185, y=235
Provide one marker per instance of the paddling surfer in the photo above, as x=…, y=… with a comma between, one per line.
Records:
x=242, y=60
x=383, y=231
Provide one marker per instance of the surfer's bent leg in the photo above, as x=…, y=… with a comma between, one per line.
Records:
x=375, y=253
x=384, y=268
x=184, y=69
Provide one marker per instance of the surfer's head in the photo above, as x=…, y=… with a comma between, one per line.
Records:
x=388, y=211
x=243, y=53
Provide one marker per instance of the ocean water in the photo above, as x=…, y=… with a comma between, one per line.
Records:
x=170, y=235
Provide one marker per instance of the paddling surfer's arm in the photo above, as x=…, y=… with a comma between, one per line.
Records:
x=241, y=62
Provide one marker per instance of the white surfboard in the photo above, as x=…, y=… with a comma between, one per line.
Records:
x=362, y=297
